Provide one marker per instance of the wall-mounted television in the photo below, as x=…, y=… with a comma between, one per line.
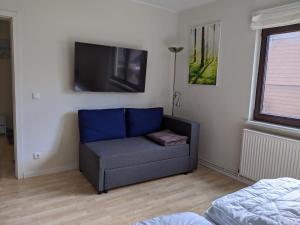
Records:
x=100, y=68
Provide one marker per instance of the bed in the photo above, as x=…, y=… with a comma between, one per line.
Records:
x=267, y=202
x=186, y=218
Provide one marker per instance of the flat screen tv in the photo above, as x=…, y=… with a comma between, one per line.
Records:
x=100, y=68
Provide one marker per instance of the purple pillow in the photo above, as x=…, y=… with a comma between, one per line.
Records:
x=167, y=138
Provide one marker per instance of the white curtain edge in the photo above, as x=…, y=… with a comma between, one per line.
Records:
x=275, y=17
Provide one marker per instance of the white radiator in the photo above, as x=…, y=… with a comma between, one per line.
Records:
x=269, y=156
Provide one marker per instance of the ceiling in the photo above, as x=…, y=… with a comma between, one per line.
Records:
x=174, y=5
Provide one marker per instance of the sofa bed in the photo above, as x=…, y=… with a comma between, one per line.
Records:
x=114, y=150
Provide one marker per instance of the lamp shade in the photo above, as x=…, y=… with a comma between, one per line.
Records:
x=175, y=49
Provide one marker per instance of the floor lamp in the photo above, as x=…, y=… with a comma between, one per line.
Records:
x=176, y=94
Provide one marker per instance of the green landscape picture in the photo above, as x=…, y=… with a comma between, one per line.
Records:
x=204, y=56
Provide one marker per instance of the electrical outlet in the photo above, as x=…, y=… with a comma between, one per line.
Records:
x=36, y=155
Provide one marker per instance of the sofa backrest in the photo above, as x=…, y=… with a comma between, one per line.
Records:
x=101, y=124
x=106, y=124
x=140, y=122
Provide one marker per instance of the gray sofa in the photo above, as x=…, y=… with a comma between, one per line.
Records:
x=114, y=163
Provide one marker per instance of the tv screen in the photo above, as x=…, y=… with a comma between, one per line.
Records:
x=100, y=68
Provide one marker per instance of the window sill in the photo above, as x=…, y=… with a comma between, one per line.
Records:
x=274, y=127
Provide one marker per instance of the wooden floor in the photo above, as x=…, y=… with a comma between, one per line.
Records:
x=68, y=198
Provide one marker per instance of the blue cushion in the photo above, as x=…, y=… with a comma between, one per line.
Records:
x=143, y=121
x=101, y=124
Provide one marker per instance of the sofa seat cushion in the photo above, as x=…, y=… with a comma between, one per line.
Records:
x=131, y=151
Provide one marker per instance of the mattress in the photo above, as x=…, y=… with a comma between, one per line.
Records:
x=186, y=218
x=267, y=202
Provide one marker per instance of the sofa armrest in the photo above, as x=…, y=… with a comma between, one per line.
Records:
x=89, y=165
x=187, y=128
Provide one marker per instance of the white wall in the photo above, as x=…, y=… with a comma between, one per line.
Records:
x=48, y=30
x=6, y=78
x=222, y=110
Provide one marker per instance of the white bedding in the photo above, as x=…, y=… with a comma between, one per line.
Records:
x=268, y=202
x=186, y=218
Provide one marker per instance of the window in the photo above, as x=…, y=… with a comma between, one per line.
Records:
x=278, y=84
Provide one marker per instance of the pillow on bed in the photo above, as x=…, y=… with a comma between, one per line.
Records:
x=167, y=137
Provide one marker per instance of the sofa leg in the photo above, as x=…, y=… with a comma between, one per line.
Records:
x=102, y=192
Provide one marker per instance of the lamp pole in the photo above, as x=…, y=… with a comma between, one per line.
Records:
x=177, y=95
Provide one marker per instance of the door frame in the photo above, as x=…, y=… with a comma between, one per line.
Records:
x=16, y=90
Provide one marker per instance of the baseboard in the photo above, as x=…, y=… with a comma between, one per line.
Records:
x=226, y=172
x=229, y=173
x=36, y=173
